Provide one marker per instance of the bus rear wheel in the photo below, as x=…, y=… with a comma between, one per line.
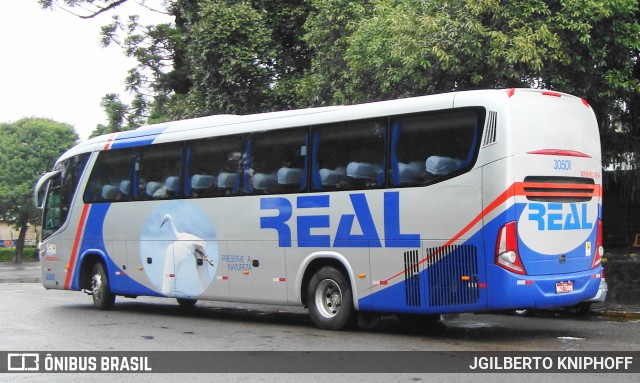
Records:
x=330, y=300
x=186, y=303
x=419, y=320
x=103, y=298
x=580, y=310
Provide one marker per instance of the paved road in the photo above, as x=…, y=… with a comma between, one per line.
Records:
x=66, y=320
x=27, y=272
x=53, y=320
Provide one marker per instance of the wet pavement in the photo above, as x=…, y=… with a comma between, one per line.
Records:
x=613, y=309
x=26, y=272
x=29, y=272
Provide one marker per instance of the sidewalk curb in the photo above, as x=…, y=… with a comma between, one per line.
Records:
x=618, y=314
x=20, y=280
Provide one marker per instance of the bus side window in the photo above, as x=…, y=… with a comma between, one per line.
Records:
x=110, y=177
x=158, y=172
x=276, y=162
x=212, y=167
x=349, y=155
x=432, y=147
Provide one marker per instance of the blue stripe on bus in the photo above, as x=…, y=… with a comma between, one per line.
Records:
x=138, y=137
x=93, y=243
x=394, y=298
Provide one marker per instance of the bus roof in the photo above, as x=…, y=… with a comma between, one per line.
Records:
x=219, y=125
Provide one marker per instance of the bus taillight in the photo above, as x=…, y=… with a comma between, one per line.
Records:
x=597, y=258
x=507, y=255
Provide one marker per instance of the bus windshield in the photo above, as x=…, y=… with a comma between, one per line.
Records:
x=60, y=192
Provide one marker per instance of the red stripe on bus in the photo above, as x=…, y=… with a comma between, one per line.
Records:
x=560, y=152
x=76, y=245
x=551, y=93
x=516, y=189
x=112, y=137
x=502, y=198
x=537, y=189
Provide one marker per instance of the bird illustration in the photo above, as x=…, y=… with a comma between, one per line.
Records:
x=178, y=264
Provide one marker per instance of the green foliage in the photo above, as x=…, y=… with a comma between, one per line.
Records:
x=245, y=56
x=119, y=115
x=30, y=147
x=328, y=28
x=384, y=49
x=231, y=58
x=7, y=254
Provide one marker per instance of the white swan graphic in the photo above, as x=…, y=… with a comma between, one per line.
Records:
x=181, y=263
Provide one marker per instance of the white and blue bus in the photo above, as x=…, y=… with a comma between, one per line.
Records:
x=460, y=202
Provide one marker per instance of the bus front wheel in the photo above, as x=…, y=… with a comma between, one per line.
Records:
x=330, y=299
x=103, y=298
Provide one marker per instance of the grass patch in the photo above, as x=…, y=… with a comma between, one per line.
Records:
x=6, y=254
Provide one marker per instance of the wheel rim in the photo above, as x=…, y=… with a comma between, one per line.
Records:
x=328, y=298
x=96, y=288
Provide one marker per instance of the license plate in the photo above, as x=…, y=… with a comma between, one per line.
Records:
x=564, y=287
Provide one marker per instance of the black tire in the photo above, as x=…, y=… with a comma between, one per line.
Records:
x=418, y=320
x=580, y=310
x=523, y=312
x=330, y=300
x=186, y=303
x=103, y=298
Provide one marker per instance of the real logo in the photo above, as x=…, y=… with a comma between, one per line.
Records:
x=343, y=236
x=554, y=216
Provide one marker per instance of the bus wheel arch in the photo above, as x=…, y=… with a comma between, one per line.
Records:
x=94, y=279
x=309, y=268
x=86, y=268
x=327, y=291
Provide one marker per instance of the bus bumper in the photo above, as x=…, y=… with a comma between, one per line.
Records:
x=506, y=290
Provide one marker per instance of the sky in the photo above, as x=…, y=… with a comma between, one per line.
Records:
x=52, y=64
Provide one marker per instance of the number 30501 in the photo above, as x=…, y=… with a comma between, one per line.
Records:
x=561, y=165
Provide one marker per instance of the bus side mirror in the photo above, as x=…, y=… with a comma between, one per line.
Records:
x=40, y=189
x=39, y=198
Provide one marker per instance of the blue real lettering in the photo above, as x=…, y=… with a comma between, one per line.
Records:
x=305, y=224
x=553, y=217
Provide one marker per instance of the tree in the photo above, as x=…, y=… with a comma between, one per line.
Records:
x=246, y=56
x=30, y=147
x=227, y=56
x=118, y=113
x=218, y=56
x=399, y=48
x=90, y=8
x=328, y=29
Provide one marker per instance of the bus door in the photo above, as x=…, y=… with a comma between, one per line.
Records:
x=117, y=251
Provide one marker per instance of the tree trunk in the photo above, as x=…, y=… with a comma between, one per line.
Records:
x=20, y=242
